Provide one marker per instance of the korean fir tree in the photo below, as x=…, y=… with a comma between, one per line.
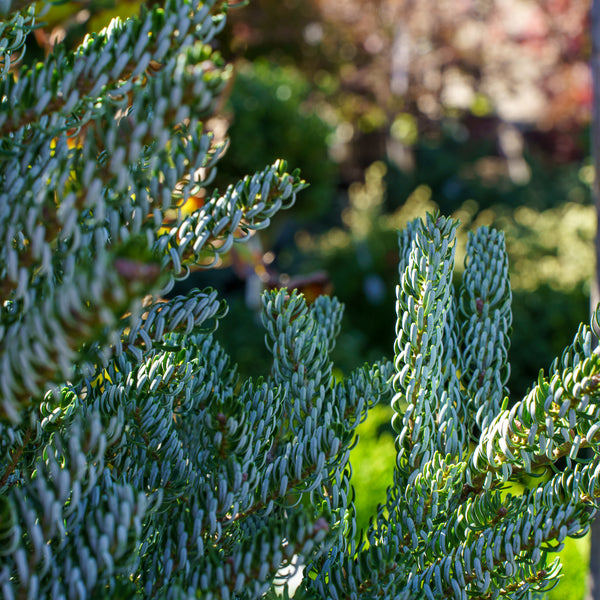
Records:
x=136, y=463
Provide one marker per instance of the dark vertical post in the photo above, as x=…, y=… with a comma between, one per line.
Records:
x=593, y=591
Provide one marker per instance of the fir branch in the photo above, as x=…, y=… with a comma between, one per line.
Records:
x=15, y=457
x=557, y=418
x=69, y=83
x=485, y=299
x=42, y=348
x=424, y=306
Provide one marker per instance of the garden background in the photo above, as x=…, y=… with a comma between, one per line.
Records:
x=391, y=108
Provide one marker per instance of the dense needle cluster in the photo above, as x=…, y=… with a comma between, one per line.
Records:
x=136, y=462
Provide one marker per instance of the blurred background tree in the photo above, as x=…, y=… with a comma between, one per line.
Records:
x=390, y=108
x=481, y=107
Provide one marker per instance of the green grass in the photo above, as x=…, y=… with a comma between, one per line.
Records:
x=575, y=559
x=372, y=462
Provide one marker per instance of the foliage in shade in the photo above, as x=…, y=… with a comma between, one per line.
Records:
x=135, y=462
x=271, y=116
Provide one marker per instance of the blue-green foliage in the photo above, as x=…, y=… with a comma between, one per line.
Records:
x=449, y=527
x=135, y=462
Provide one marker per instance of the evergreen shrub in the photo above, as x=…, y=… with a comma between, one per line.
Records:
x=134, y=462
